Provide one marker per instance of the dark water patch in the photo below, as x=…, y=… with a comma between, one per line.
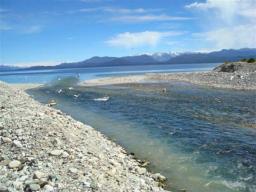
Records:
x=200, y=138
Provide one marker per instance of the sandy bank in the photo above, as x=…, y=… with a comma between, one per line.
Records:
x=43, y=149
x=24, y=86
x=243, y=81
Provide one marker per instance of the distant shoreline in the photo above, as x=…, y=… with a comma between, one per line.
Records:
x=239, y=80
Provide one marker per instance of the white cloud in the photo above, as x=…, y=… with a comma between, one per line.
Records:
x=116, y=10
x=232, y=37
x=4, y=26
x=32, y=29
x=90, y=1
x=35, y=63
x=146, y=38
x=228, y=23
x=125, y=10
x=147, y=18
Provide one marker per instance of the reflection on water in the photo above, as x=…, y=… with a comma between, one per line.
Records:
x=201, y=139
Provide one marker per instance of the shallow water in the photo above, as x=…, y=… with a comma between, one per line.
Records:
x=201, y=139
x=45, y=76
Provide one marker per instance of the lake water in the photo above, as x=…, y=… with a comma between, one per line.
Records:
x=201, y=139
x=44, y=76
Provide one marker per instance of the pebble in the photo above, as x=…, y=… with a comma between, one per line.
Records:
x=48, y=188
x=6, y=140
x=3, y=189
x=65, y=154
x=17, y=143
x=14, y=164
x=141, y=171
x=73, y=170
x=38, y=175
x=56, y=152
x=34, y=187
x=159, y=177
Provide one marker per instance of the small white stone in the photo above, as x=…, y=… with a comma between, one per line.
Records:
x=48, y=188
x=65, y=154
x=73, y=170
x=17, y=143
x=39, y=175
x=159, y=177
x=56, y=152
x=142, y=171
x=34, y=187
x=14, y=164
x=6, y=140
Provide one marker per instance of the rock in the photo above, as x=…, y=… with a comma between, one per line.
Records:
x=6, y=140
x=86, y=184
x=56, y=142
x=18, y=185
x=48, y=188
x=39, y=175
x=65, y=154
x=145, y=164
x=14, y=164
x=1, y=126
x=34, y=187
x=73, y=170
x=142, y=171
x=3, y=189
x=56, y=152
x=17, y=143
x=158, y=177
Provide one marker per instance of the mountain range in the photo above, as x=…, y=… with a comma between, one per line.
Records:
x=159, y=58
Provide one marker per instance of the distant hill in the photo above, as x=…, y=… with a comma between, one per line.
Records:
x=158, y=59
x=213, y=57
x=7, y=68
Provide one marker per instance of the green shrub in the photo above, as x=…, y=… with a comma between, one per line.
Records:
x=251, y=60
x=243, y=60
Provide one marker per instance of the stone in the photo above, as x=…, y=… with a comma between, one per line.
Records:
x=65, y=154
x=158, y=177
x=56, y=142
x=34, y=187
x=142, y=171
x=14, y=164
x=1, y=126
x=3, y=189
x=39, y=175
x=17, y=143
x=18, y=185
x=86, y=183
x=48, y=188
x=6, y=140
x=56, y=152
x=73, y=170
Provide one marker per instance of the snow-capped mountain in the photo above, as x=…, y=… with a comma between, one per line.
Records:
x=162, y=57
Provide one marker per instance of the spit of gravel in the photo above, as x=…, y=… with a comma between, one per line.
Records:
x=42, y=149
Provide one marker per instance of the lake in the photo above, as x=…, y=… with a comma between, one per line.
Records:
x=44, y=76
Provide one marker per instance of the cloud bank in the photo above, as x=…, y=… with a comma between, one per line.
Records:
x=138, y=39
x=233, y=22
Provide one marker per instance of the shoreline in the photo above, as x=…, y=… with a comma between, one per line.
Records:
x=238, y=81
x=45, y=149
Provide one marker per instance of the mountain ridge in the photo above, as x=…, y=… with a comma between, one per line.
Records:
x=158, y=59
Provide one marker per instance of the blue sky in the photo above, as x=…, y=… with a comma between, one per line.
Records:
x=47, y=32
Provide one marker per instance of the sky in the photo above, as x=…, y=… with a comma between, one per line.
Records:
x=48, y=32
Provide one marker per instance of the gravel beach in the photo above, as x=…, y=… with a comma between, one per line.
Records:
x=241, y=76
x=42, y=149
